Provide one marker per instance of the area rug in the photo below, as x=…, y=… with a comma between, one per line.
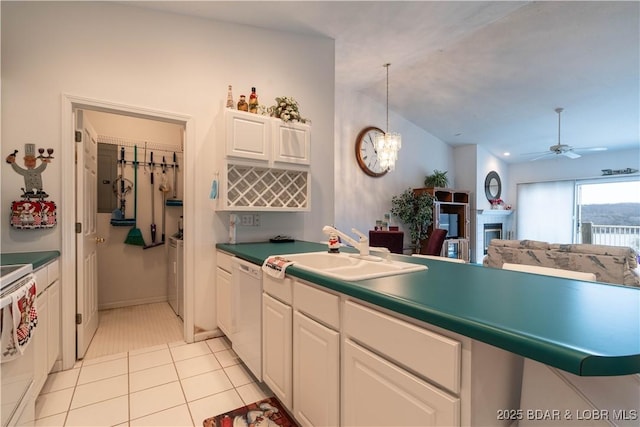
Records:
x=263, y=413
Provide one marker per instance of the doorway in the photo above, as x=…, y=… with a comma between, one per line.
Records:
x=71, y=105
x=139, y=188
x=608, y=212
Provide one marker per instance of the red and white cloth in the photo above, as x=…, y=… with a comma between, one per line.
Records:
x=33, y=214
x=275, y=266
x=19, y=316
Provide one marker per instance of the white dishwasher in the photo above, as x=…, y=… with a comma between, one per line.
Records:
x=246, y=291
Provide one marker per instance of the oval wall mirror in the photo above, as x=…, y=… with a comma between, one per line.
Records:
x=492, y=186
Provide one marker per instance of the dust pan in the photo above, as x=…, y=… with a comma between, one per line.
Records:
x=135, y=235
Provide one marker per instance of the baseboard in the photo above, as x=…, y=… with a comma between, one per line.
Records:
x=129, y=303
x=205, y=335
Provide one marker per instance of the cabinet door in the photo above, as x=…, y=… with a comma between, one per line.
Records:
x=377, y=392
x=54, y=327
x=248, y=135
x=277, y=348
x=223, y=302
x=316, y=354
x=40, y=342
x=292, y=143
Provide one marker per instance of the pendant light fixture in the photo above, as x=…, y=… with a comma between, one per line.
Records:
x=389, y=143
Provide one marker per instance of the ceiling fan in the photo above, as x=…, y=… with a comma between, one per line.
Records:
x=564, y=149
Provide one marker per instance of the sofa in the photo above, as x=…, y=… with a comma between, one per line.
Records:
x=610, y=264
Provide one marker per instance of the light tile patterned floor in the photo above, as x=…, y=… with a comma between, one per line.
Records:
x=175, y=384
x=139, y=326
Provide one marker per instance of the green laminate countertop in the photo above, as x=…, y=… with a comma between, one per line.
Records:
x=590, y=329
x=36, y=259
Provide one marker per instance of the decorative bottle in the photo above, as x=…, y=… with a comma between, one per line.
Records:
x=230, y=103
x=253, y=101
x=242, y=104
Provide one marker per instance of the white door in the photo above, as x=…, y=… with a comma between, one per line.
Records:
x=86, y=237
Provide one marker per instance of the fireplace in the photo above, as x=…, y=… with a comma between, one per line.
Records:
x=491, y=231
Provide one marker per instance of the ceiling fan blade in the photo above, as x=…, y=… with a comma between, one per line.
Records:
x=570, y=154
x=547, y=154
x=537, y=153
x=591, y=149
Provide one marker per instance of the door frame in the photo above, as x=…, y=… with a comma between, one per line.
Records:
x=68, y=214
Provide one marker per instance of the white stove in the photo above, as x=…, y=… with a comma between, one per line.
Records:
x=16, y=381
x=11, y=273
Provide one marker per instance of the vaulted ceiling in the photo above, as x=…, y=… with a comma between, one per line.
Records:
x=479, y=72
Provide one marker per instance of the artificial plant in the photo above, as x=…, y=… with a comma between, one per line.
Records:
x=416, y=211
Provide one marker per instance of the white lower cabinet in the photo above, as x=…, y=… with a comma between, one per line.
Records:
x=54, y=326
x=40, y=342
x=396, y=373
x=277, y=348
x=379, y=393
x=316, y=372
x=334, y=361
x=47, y=337
x=301, y=349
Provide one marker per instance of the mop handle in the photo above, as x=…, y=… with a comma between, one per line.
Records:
x=135, y=182
x=122, y=171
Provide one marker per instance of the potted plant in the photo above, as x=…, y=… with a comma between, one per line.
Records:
x=436, y=179
x=415, y=211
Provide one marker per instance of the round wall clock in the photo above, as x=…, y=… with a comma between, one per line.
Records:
x=366, y=154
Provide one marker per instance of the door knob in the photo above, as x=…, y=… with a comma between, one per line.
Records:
x=99, y=239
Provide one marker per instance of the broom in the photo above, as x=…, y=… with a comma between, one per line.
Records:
x=135, y=235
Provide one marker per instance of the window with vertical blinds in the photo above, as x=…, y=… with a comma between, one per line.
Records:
x=546, y=211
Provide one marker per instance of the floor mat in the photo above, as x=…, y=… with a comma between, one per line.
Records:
x=263, y=413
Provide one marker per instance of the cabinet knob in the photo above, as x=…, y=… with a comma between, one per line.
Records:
x=99, y=239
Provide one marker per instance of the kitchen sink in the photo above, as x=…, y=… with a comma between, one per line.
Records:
x=351, y=267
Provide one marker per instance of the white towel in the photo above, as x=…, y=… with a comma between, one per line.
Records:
x=19, y=318
x=275, y=266
x=9, y=350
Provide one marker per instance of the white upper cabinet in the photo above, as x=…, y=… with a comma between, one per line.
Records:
x=248, y=135
x=291, y=142
x=266, y=139
x=266, y=166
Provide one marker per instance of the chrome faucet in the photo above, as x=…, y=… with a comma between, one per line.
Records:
x=361, y=245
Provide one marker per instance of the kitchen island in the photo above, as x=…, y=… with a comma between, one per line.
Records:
x=585, y=328
x=453, y=345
